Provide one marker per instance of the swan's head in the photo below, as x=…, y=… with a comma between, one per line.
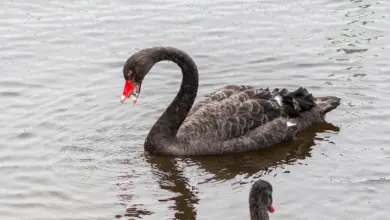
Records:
x=260, y=196
x=134, y=71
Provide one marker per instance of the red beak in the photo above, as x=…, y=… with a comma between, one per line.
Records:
x=127, y=90
x=271, y=208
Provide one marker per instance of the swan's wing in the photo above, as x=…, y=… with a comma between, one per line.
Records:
x=279, y=129
x=217, y=96
x=229, y=113
x=259, y=108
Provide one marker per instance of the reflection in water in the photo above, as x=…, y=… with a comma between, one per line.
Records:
x=133, y=211
x=263, y=161
x=171, y=177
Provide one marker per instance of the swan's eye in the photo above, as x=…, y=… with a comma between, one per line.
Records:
x=131, y=76
x=134, y=78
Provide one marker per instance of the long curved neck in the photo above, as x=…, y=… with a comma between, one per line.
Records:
x=257, y=212
x=163, y=133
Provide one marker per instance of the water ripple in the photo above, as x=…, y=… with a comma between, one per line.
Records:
x=69, y=150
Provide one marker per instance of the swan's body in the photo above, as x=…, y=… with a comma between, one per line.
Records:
x=260, y=200
x=235, y=118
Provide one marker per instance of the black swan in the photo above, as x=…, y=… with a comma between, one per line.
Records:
x=260, y=200
x=235, y=118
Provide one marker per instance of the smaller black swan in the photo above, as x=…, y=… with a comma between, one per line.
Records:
x=260, y=200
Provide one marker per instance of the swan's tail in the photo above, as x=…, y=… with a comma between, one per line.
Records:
x=327, y=103
x=293, y=103
x=299, y=101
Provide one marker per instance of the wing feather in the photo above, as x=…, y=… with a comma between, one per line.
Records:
x=232, y=111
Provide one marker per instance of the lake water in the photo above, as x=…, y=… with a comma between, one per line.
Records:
x=70, y=150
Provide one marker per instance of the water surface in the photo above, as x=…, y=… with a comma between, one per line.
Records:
x=69, y=150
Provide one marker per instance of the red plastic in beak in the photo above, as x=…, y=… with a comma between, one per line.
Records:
x=271, y=208
x=127, y=90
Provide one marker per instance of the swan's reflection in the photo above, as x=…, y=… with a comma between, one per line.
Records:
x=265, y=160
x=171, y=177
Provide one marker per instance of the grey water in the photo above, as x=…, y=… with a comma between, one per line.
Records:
x=70, y=150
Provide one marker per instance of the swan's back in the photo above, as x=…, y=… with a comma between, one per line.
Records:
x=235, y=117
x=230, y=112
